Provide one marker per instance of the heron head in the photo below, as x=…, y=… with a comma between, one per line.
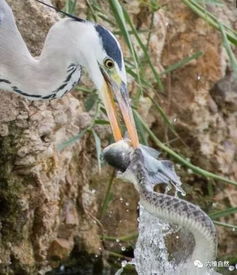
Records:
x=103, y=57
x=99, y=52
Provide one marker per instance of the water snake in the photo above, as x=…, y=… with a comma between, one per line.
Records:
x=144, y=171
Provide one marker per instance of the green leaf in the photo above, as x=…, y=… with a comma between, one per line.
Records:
x=90, y=101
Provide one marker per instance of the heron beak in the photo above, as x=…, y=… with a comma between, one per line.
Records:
x=113, y=85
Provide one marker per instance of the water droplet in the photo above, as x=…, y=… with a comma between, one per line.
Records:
x=233, y=229
x=161, y=245
x=127, y=203
x=198, y=77
x=231, y=268
x=177, y=237
x=123, y=248
x=190, y=171
x=117, y=240
x=198, y=263
x=124, y=263
x=62, y=268
x=96, y=256
x=121, y=199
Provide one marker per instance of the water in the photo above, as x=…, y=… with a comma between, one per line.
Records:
x=151, y=256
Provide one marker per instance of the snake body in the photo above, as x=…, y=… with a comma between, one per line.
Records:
x=171, y=209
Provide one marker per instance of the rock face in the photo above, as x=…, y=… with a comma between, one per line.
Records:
x=40, y=187
x=49, y=199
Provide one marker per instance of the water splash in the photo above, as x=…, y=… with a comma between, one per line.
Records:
x=153, y=254
x=150, y=252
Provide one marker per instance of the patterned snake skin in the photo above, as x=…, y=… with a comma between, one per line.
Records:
x=172, y=209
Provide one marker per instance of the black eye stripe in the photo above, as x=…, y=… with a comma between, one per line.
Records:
x=110, y=45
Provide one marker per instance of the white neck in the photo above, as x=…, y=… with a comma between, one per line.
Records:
x=54, y=72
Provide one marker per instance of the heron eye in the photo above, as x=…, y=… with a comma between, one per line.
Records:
x=109, y=63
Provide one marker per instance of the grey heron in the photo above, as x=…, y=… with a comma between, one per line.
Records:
x=71, y=43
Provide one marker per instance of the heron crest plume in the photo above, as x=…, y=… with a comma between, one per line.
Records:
x=60, y=11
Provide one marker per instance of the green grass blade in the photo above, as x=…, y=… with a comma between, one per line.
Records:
x=143, y=82
x=108, y=196
x=144, y=49
x=70, y=6
x=140, y=129
x=233, y=227
x=98, y=148
x=210, y=2
x=166, y=119
x=182, y=62
x=120, y=19
x=232, y=58
x=223, y=213
x=163, y=115
x=211, y=19
x=195, y=169
x=126, y=238
x=93, y=10
x=101, y=122
x=119, y=16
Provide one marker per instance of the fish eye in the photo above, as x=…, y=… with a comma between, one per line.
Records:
x=109, y=63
